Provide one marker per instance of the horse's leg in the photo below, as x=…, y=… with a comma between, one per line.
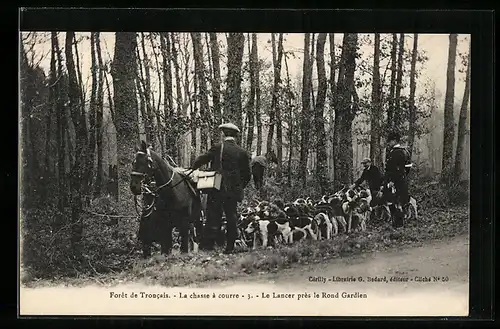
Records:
x=166, y=244
x=146, y=249
x=184, y=233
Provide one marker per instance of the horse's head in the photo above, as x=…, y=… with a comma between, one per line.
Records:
x=142, y=169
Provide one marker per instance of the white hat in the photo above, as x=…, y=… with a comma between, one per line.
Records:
x=229, y=126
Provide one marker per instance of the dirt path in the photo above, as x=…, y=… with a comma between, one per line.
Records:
x=448, y=259
x=322, y=295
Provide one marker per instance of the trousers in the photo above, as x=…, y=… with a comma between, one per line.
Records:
x=217, y=203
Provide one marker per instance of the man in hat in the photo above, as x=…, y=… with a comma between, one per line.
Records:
x=235, y=169
x=371, y=174
x=396, y=168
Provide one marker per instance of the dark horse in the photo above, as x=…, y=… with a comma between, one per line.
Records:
x=259, y=164
x=168, y=201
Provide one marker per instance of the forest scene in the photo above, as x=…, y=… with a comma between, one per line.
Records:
x=321, y=102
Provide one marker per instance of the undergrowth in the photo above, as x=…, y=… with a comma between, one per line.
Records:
x=109, y=250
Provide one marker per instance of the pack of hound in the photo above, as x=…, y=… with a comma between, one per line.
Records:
x=268, y=223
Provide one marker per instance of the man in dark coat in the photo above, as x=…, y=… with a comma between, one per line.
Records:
x=371, y=174
x=235, y=169
x=396, y=168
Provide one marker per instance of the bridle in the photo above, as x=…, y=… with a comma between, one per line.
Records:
x=148, y=185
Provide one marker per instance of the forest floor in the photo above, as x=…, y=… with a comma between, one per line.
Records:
x=433, y=225
x=447, y=260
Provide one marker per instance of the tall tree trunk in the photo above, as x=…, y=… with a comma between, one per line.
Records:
x=321, y=158
x=160, y=132
x=376, y=115
x=59, y=106
x=462, y=123
x=272, y=111
x=199, y=65
x=398, y=115
x=258, y=118
x=216, y=86
x=49, y=150
x=148, y=96
x=178, y=83
x=127, y=130
x=338, y=99
x=449, y=121
x=333, y=66
x=194, y=119
x=412, y=118
x=279, y=123
x=76, y=177
x=168, y=108
x=254, y=71
x=100, y=118
x=392, y=89
x=91, y=147
x=306, y=103
x=346, y=109
x=275, y=113
x=290, y=124
x=232, y=108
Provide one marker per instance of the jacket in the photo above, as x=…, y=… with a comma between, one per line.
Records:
x=235, y=167
x=396, y=162
x=371, y=175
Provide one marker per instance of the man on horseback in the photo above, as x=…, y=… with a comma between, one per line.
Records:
x=396, y=171
x=235, y=170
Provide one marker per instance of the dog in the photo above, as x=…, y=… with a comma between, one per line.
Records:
x=337, y=216
x=324, y=207
x=363, y=211
x=266, y=230
x=413, y=205
x=324, y=225
x=349, y=206
x=300, y=219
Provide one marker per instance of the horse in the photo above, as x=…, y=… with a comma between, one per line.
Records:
x=259, y=164
x=169, y=201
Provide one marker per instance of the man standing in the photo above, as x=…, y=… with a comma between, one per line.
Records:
x=396, y=168
x=371, y=174
x=235, y=170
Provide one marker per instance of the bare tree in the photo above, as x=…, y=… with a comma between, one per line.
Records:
x=462, y=122
x=216, y=85
x=76, y=177
x=398, y=116
x=274, y=113
x=254, y=71
x=306, y=103
x=200, y=73
x=345, y=109
x=99, y=117
x=392, y=89
x=412, y=118
x=124, y=72
x=449, y=122
x=258, y=118
x=321, y=164
x=376, y=114
x=232, y=106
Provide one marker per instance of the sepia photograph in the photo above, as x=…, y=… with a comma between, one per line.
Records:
x=256, y=174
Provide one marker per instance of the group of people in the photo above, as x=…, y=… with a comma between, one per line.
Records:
x=234, y=164
x=396, y=173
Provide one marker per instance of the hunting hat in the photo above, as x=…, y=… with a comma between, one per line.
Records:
x=393, y=136
x=366, y=160
x=229, y=126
